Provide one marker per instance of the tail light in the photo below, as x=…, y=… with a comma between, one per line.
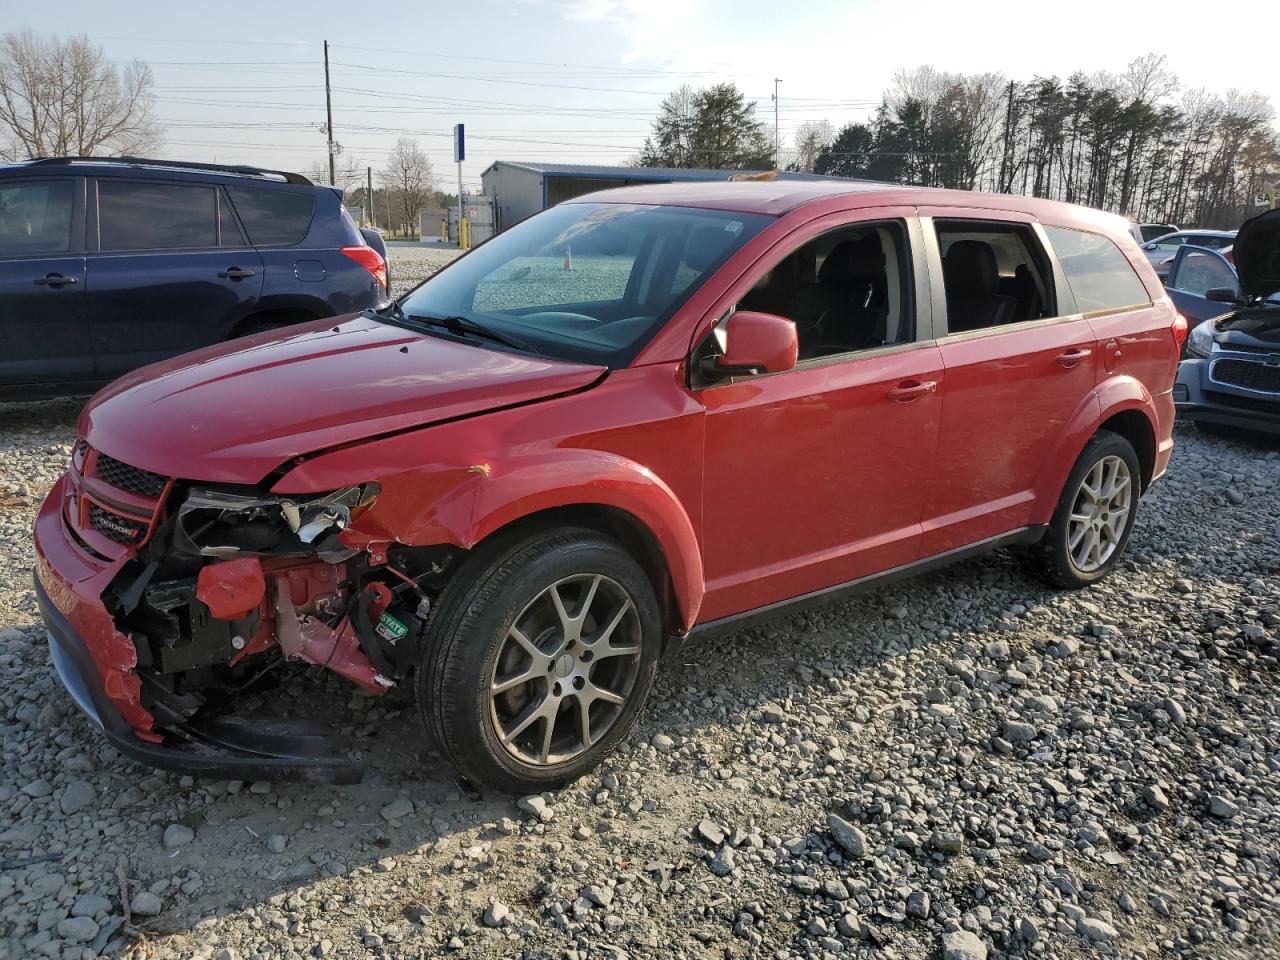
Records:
x=1179, y=329
x=371, y=260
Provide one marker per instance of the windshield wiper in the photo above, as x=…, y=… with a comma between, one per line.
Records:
x=391, y=307
x=466, y=326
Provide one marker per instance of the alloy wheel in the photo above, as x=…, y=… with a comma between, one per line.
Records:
x=565, y=669
x=1099, y=514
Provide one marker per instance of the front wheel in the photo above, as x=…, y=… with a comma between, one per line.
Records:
x=539, y=659
x=1094, y=516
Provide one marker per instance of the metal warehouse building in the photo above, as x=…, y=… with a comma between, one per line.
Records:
x=520, y=189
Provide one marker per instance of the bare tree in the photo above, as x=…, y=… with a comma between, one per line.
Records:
x=409, y=177
x=66, y=98
x=812, y=138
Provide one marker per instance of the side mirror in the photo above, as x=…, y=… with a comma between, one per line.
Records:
x=757, y=343
x=1222, y=295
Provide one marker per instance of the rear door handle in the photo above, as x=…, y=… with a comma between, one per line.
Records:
x=1073, y=357
x=234, y=273
x=55, y=280
x=908, y=390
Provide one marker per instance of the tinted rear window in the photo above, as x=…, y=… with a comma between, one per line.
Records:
x=156, y=216
x=35, y=218
x=274, y=218
x=1099, y=274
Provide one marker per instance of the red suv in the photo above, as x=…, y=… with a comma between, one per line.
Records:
x=640, y=415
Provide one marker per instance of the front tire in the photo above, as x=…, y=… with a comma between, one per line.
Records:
x=539, y=658
x=1094, y=516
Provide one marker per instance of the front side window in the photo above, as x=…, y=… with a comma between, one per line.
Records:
x=35, y=218
x=1100, y=276
x=1201, y=271
x=590, y=282
x=134, y=215
x=846, y=290
x=993, y=274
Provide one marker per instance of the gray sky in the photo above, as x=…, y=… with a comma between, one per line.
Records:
x=578, y=80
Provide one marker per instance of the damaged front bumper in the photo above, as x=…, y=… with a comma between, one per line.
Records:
x=96, y=662
x=223, y=749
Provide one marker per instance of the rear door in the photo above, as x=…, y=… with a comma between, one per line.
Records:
x=44, y=335
x=1194, y=273
x=1011, y=385
x=168, y=270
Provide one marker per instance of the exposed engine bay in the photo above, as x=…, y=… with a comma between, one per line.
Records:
x=231, y=586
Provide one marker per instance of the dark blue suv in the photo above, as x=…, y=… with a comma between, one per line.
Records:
x=107, y=264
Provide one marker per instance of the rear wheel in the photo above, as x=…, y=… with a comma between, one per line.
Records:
x=1094, y=516
x=539, y=658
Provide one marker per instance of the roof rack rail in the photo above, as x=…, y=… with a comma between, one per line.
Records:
x=243, y=170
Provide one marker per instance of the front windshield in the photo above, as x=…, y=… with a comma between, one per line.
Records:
x=590, y=282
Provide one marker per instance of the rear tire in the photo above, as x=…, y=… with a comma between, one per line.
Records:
x=1094, y=516
x=539, y=657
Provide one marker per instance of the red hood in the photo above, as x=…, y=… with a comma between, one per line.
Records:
x=232, y=413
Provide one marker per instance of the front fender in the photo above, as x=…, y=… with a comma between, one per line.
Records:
x=1110, y=397
x=463, y=504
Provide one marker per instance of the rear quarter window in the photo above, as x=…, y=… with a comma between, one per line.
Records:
x=273, y=218
x=1100, y=276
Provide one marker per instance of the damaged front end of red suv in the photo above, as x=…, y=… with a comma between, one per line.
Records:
x=165, y=599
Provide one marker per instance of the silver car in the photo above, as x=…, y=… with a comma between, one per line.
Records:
x=1162, y=250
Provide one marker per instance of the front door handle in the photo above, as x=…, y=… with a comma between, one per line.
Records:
x=55, y=280
x=1073, y=358
x=234, y=273
x=908, y=390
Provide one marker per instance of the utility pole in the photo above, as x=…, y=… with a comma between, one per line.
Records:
x=777, y=143
x=328, y=109
x=368, y=172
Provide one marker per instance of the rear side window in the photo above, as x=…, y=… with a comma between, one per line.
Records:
x=274, y=218
x=156, y=216
x=1100, y=276
x=35, y=218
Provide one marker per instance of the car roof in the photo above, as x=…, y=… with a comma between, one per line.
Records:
x=778, y=197
x=1199, y=233
x=171, y=169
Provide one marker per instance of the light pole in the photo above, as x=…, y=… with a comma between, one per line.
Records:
x=777, y=142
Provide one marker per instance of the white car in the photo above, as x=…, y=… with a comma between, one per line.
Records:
x=1146, y=232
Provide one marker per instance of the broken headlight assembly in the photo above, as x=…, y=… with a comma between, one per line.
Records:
x=213, y=522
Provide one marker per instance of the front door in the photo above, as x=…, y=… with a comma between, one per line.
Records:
x=1016, y=372
x=44, y=336
x=168, y=271
x=1194, y=272
x=816, y=476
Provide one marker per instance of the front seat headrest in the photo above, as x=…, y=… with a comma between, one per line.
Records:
x=852, y=259
x=969, y=269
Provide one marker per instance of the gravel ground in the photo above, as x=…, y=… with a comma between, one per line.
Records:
x=962, y=766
